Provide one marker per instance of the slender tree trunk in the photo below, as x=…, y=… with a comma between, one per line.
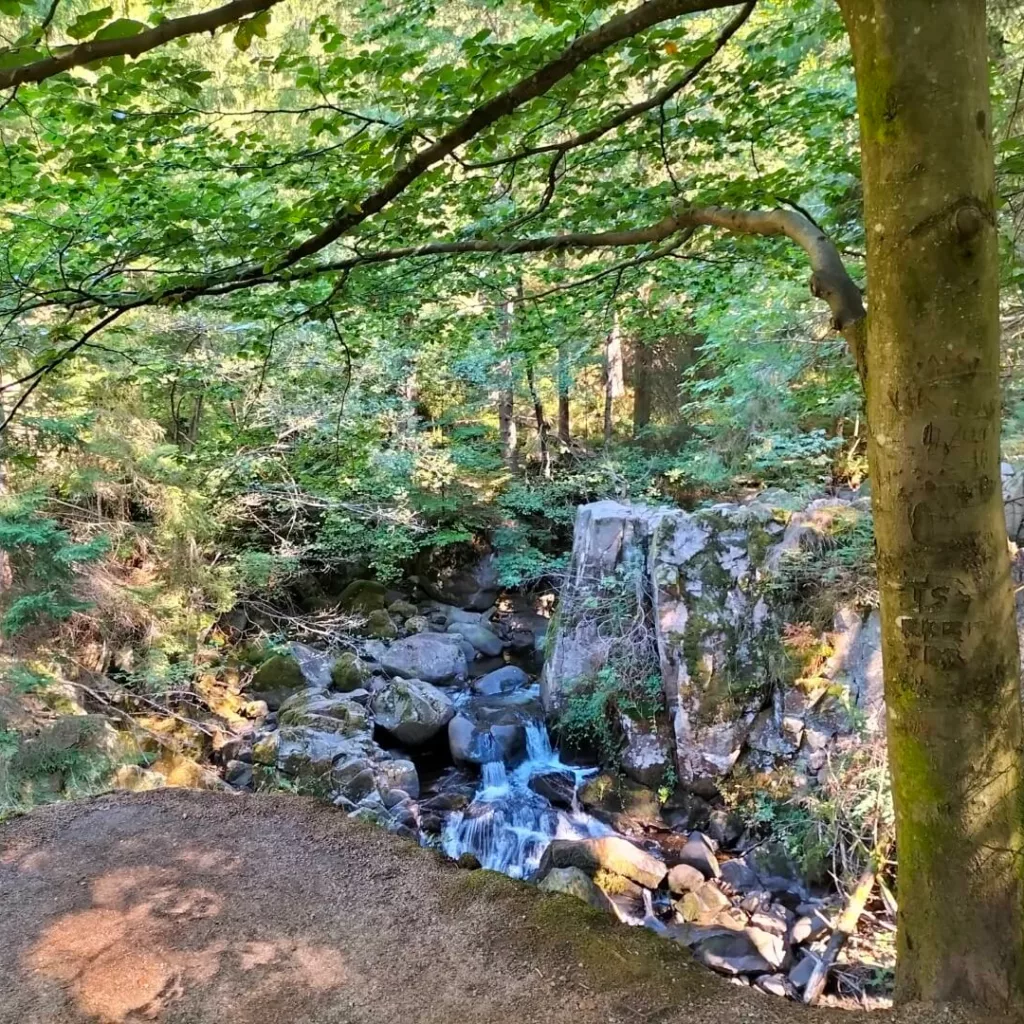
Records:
x=641, y=386
x=564, y=391
x=949, y=639
x=542, y=423
x=613, y=383
x=506, y=395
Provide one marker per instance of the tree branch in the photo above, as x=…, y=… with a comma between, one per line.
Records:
x=658, y=99
x=132, y=46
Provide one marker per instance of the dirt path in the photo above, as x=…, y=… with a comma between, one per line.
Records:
x=199, y=907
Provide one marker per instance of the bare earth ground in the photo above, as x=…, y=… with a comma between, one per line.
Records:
x=200, y=907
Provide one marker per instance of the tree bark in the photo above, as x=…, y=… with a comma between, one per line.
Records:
x=613, y=382
x=506, y=395
x=542, y=423
x=641, y=386
x=564, y=425
x=952, y=676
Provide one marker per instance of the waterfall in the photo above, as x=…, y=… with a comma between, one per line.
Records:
x=508, y=826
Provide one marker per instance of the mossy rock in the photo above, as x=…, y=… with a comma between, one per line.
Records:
x=380, y=625
x=276, y=680
x=403, y=609
x=364, y=597
x=349, y=673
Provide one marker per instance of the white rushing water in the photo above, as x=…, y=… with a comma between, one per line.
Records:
x=508, y=826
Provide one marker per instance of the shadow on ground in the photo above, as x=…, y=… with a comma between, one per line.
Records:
x=201, y=907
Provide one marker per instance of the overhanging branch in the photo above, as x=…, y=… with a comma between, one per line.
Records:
x=132, y=46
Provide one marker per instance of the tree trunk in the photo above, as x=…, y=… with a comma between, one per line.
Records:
x=506, y=394
x=949, y=640
x=641, y=386
x=613, y=383
x=542, y=424
x=564, y=389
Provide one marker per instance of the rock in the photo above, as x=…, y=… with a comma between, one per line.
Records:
x=482, y=639
x=427, y=656
x=522, y=640
x=416, y=623
x=238, y=774
x=394, y=797
x=349, y=672
x=136, y=779
x=809, y=927
x=647, y=756
x=264, y=748
x=474, y=587
x=308, y=755
x=626, y=897
x=276, y=680
x=380, y=625
x=775, y=985
x=620, y=801
x=558, y=788
x=608, y=853
x=324, y=712
x=353, y=778
x=684, y=878
x=775, y=920
x=501, y=680
x=477, y=743
x=468, y=862
x=412, y=710
x=469, y=652
x=363, y=597
x=697, y=853
x=702, y=905
x=725, y=828
x=314, y=665
x=777, y=872
x=398, y=775
x=800, y=973
x=739, y=875
x=856, y=666
x=575, y=882
x=403, y=609
x=732, y=953
x=771, y=946
x=453, y=615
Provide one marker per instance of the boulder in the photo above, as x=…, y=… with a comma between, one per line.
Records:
x=349, y=672
x=501, y=680
x=697, y=853
x=605, y=853
x=477, y=743
x=558, y=788
x=308, y=755
x=380, y=625
x=432, y=657
x=730, y=952
x=397, y=775
x=619, y=801
x=325, y=713
x=472, y=587
x=363, y=596
x=416, y=624
x=702, y=905
x=412, y=710
x=238, y=774
x=739, y=875
x=402, y=609
x=482, y=639
x=314, y=665
x=575, y=882
x=683, y=878
x=276, y=680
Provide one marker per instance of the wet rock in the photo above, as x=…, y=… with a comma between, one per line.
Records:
x=731, y=953
x=478, y=741
x=412, y=710
x=685, y=878
x=482, y=639
x=609, y=853
x=432, y=657
x=363, y=596
x=349, y=672
x=324, y=712
x=558, y=788
x=501, y=680
x=698, y=854
x=575, y=882
x=620, y=801
x=445, y=803
x=276, y=680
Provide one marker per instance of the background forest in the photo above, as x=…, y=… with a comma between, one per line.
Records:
x=205, y=440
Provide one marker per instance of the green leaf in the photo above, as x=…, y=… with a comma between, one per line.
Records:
x=19, y=57
x=122, y=28
x=85, y=24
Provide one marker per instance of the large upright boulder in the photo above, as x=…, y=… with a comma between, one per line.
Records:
x=413, y=711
